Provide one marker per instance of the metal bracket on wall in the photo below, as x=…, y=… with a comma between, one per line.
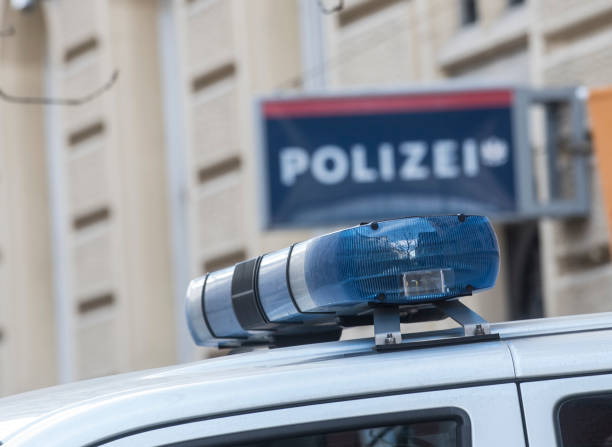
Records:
x=558, y=134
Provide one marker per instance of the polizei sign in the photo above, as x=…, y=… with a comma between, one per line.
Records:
x=350, y=158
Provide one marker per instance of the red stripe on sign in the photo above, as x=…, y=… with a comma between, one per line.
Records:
x=387, y=104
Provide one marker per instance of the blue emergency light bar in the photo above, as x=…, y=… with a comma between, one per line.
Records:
x=314, y=285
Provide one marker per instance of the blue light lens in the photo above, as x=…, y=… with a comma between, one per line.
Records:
x=403, y=261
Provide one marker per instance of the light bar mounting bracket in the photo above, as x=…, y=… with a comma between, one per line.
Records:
x=387, y=326
x=388, y=336
x=473, y=324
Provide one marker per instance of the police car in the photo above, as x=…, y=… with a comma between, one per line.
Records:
x=528, y=383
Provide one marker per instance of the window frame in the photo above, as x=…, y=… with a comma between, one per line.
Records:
x=541, y=396
x=460, y=416
x=493, y=409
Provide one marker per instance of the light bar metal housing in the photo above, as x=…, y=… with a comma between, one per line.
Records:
x=315, y=287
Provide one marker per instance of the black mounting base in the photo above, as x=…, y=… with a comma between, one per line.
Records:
x=422, y=344
x=321, y=336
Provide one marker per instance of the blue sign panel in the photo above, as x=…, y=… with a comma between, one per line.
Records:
x=348, y=159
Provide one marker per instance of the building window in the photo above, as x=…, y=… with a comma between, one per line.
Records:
x=469, y=12
x=512, y=3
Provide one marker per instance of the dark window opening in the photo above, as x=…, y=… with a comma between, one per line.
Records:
x=512, y=3
x=522, y=255
x=585, y=421
x=443, y=427
x=469, y=12
x=431, y=434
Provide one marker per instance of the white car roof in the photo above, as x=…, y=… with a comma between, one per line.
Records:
x=302, y=374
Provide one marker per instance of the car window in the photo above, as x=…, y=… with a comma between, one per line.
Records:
x=421, y=434
x=586, y=421
x=442, y=433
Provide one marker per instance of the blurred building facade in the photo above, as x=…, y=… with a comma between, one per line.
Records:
x=110, y=207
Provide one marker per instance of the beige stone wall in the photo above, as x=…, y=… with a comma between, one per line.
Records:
x=226, y=59
x=221, y=82
x=113, y=152
x=362, y=39
x=27, y=345
x=577, y=51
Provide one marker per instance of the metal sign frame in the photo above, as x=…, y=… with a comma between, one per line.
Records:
x=528, y=204
x=551, y=98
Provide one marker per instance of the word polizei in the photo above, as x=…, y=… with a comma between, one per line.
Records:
x=408, y=161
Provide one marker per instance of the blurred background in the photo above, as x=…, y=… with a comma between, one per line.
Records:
x=115, y=191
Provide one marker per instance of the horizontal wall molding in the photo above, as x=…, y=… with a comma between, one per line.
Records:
x=572, y=26
x=584, y=260
x=88, y=305
x=208, y=173
x=80, y=49
x=224, y=260
x=91, y=218
x=211, y=77
x=86, y=133
x=363, y=10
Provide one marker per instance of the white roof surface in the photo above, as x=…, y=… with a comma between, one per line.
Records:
x=302, y=374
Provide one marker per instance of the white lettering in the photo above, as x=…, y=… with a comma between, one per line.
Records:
x=386, y=161
x=293, y=162
x=470, y=158
x=330, y=165
x=361, y=172
x=412, y=169
x=445, y=159
x=450, y=159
